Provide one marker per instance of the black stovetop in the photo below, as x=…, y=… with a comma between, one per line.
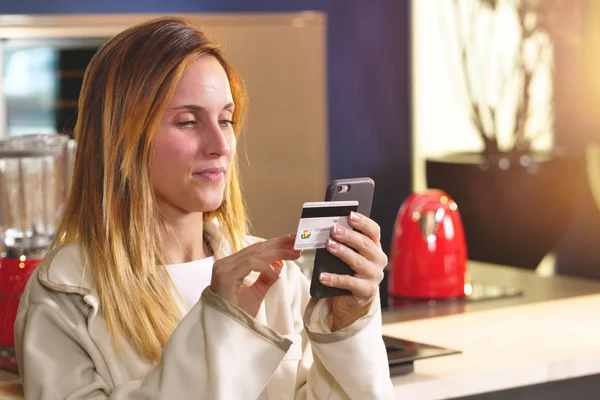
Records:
x=477, y=291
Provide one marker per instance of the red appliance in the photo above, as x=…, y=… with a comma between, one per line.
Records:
x=34, y=178
x=428, y=255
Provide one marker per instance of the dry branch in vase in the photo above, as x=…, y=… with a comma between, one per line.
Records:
x=505, y=50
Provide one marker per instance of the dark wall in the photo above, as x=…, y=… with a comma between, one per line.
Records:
x=369, y=100
x=368, y=80
x=155, y=6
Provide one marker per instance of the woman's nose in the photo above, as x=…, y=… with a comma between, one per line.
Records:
x=217, y=143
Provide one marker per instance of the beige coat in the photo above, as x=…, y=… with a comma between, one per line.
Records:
x=217, y=351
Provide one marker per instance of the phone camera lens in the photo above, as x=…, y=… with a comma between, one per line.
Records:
x=343, y=188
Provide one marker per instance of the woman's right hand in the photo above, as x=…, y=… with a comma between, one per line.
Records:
x=264, y=257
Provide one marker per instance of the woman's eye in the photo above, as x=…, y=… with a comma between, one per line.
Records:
x=225, y=123
x=186, y=124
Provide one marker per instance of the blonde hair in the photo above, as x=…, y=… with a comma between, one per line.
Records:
x=111, y=209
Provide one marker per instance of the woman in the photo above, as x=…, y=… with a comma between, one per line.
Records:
x=152, y=289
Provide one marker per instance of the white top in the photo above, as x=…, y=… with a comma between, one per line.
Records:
x=191, y=278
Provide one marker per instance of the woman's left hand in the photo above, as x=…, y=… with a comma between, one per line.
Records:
x=368, y=262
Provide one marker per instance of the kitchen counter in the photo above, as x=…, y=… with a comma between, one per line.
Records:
x=10, y=386
x=549, y=334
x=503, y=348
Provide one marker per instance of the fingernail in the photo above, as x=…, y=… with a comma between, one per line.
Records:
x=277, y=264
x=325, y=278
x=332, y=244
x=296, y=253
x=354, y=216
x=338, y=230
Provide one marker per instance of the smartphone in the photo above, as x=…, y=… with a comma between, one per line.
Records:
x=358, y=189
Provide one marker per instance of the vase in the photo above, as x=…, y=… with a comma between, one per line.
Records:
x=514, y=207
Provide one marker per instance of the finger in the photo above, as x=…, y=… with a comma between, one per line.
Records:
x=366, y=225
x=360, y=288
x=279, y=254
x=280, y=248
x=356, y=261
x=279, y=243
x=269, y=276
x=286, y=242
x=359, y=242
x=239, y=270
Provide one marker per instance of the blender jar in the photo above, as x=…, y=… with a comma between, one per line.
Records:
x=34, y=179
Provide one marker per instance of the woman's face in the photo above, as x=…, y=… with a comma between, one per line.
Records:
x=195, y=144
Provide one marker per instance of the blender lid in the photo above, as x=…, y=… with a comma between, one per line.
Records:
x=33, y=145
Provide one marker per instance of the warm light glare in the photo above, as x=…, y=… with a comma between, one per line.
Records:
x=593, y=171
x=416, y=215
x=431, y=246
x=448, y=228
x=468, y=289
x=453, y=206
x=591, y=56
x=22, y=265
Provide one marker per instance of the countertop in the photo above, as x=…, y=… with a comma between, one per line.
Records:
x=503, y=348
x=549, y=333
x=10, y=386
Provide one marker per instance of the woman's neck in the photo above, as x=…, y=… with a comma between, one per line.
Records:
x=183, y=238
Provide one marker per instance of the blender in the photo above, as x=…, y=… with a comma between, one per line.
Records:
x=34, y=179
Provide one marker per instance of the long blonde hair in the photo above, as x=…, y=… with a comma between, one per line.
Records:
x=111, y=209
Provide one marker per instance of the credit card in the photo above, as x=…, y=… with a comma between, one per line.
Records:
x=318, y=218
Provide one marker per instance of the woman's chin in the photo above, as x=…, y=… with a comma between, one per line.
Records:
x=209, y=204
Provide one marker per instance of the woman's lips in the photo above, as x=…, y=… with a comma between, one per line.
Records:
x=212, y=174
